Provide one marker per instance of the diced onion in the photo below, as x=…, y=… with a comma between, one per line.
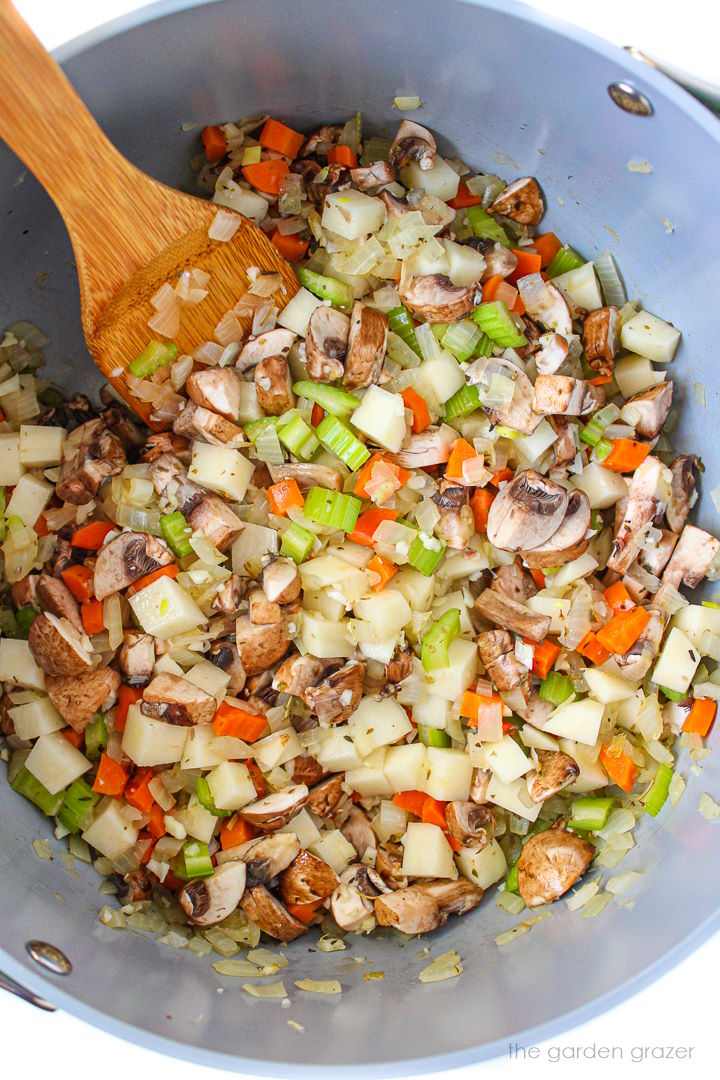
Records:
x=583, y=895
x=228, y=330
x=319, y=986
x=164, y=297
x=165, y=322
x=610, y=280
x=265, y=285
x=179, y=372
x=112, y=617
x=224, y=226
x=408, y=103
x=209, y=352
x=595, y=906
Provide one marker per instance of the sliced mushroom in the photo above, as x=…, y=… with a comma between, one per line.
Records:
x=649, y=409
x=260, y=646
x=267, y=856
x=298, y=672
x=306, y=880
x=526, y=512
x=211, y=516
x=479, y=782
x=366, y=345
x=515, y=582
x=212, y=899
x=320, y=141
x=134, y=886
x=534, y=711
x=365, y=879
x=569, y=541
x=273, y=343
x=522, y=201
x=498, y=260
x=229, y=595
x=326, y=344
x=196, y=421
x=424, y=907
x=400, y=667
x=358, y=831
x=519, y=414
x=456, y=524
x=136, y=657
x=275, y=810
x=682, y=491
x=470, y=824
x=78, y=697
x=307, y=770
x=127, y=558
x=453, y=897
x=555, y=771
x=388, y=864
x=53, y=595
x=308, y=476
x=545, y=303
x=497, y=652
x=395, y=207
x=273, y=383
x=281, y=581
x=601, y=339
x=371, y=176
x=552, y=353
x=122, y=424
x=217, y=389
x=177, y=701
x=324, y=797
x=224, y=654
x=57, y=646
x=350, y=909
x=261, y=610
x=563, y=395
x=655, y=559
x=636, y=663
x=413, y=142
x=162, y=443
x=337, y=697
x=24, y=592
x=691, y=559
x=550, y=863
x=503, y=612
x=270, y=915
x=648, y=494
x=435, y=299
x=564, y=447
x=91, y=454
x=432, y=447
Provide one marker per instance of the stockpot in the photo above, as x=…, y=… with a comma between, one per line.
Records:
x=513, y=92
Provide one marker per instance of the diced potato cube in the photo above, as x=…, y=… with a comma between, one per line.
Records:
x=231, y=786
x=431, y=712
x=296, y=314
x=36, y=718
x=440, y=377
x=252, y=543
x=381, y=416
x=450, y=682
x=603, y=487
x=427, y=852
x=221, y=469
x=40, y=446
x=553, y=606
x=592, y=775
x=405, y=767
x=352, y=214
x=17, y=665
x=417, y=588
x=110, y=833
x=203, y=748
x=650, y=336
x=580, y=720
x=55, y=762
x=304, y=828
x=196, y=820
x=165, y=610
x=208, y=677
x=677, y=663
x=336, y=575
x=11, y=468
x=370, y=778
x=441, y=181
x=447, y=774
x=338, y=753
x=29, y=499
x=581, y=287
x=335, y=850
x=387, y=611
x=505, y=759
x=466, y=264
x=607, y=688
x=277, y=748
x=694, y=620
x=633, y=374
x=377, y=723
x=325, y=639
x=513, y=797
x=483, y=867
x=147, y=741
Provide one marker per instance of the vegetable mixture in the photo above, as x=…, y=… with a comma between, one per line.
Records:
x=391, y=612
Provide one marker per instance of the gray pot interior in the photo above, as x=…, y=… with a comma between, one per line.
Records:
x=510, y=93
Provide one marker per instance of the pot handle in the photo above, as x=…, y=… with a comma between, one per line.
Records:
x=6, y=983
x=707, y=94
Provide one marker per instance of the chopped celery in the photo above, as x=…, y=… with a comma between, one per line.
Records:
x=556, y=688
x=603, y=450
x=330, y=398
x=594, y=430
x=78, y=801
x=26, y=616
x=177, y=532
x=26, y=784
x=194, y=861
x=255, y=428
x=590, y=814
x=375, y=149
x=655, y=797
x=155, y=355
x=434, y=652
x=484, y=346
x=482, y=224
x=425, y=553
x=461, y=339
x=327, y=288
x=401, y=323
x=439, y=329
x=565, y=259
x=204, y=797
x=674, y=695
x=332, y=508
x=498, y=323
x=338, y=438
x=464, y=401
x=596, y=521
x=51, y=397
x=299, y=438
x=511, y=881
x=297, y=543
x=430, y=736
x=95, y=737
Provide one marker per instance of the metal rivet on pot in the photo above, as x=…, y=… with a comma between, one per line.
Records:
x=630, y=99
x=49, y=957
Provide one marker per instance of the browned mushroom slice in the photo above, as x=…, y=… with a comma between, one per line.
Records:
x=267, y=856
x=522, y=201
x=7, y=725
x=160, y=444
x=78, y=697
x=281, y=581
x=409, y=910
x=564, y=447
x=519, y=413
x=435, y=299
x=644, y=502
x=262, y=610
x=196, y=421
x=498, y=260
x=431, y=447
x=177, y=701
x=326, y=344
x=506, y=613
x=569, y=541
x=456, y=524
x=91, y=454
x=550, y=863
x=526, y=512
x=306, y=880
x=308, y=476
x=546, y=304
x=682, y=491
x=497, y=652
x=691, y=559
x=267, y=912
x=122, y=424
x=224, y=654
x=648, y=410
x=229, y=595
x=57, y=646
x=400, y=667
x=365, y=879
x=636, y=663
x=561, y=394
x=136, y=657
x=53, y=595
x=212, y=899
x=453, y=897
x=306, y=770
x=556, y=770
x=515, y=582
x=470, y=824
x=217, y=389
x=320, y=141
x=368, y=177
x=24, y=592
x=358, y=831
x=274, y=386
x=211, y=516
x=413, y=142
x=388, y=863
x=534, y=711
x=260, y=646
x=273, y=343
x=275, y=810
x=655, y=559
x=552, y=353
x=337, y=697
x=479, y=783
x=601, y=339
x=366, y=345
x=395, y=207
x=134, y=886
x=324, y=797
x=297, y=673
x=127, y=558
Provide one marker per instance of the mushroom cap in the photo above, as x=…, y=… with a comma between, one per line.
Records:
x=306, y=880
x=212, y=899
x=280, y=579
x=682, y=490
x=90, y=454
x=452, y=897
x=601, y=339
x=370, y=176
x=217, y=389
x=326, y=344
x=275, y=810
x=526, y=512
x=224, y=654
x=431, y=447
x=545, y=303
x=272, y=343
x=366, y=345
x=358, y=831
x=409, y=910
x=78, y=697
x=652, y=407
x=213, y=517
x=388, y=863
x=349, y=907
x=307, y=770
x=297, y=673
x=515, y=582
x=267, y=856
x=550, y=863
x=195, y=420
x=267, y=912
x=552, y=353
x=336, y=698
x=435, y=299
x=57, y=646
x=469, y=823
x=54, y=596
x=566, y=396
x=180, y=701
x=274, y=386
x=413, y=142
x=127, y=558
x=325, y=796
x=260, y=646
x=556, y=770
x=522, y=201
x=569, y=540
x=498, y=609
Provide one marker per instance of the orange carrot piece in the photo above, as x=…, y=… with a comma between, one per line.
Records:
x=79, y=580
x=367, y=524
x=91, y=614
x=365, y=474
x=171, y=571
x=473, y=706
x=137, y=792
x=126, y=696
x=238, y=723
x=461, y=451
x=235, y=830
x=257, y=777
x=41, y=527
x=545, y=654
x=419, y=409
x=537, y=576
x=267, y=176
x=528, y=262
x=75, y=738
x=454, y=844
x=600, y=380
x=480, y=504
x=626, y=455
x=384, y=568
x=342, y=155
x=92, y=536
x=464, y=198
x=620, y=634
x=621, y=769
x=490, y=287
x=547, y=246
x=282, y=495
x=618, y=598
x=291, y=247
x=305, y=913
x=156, y=824
x=700, y=718
x=281, y=138
x=592, y=650
x=111, y=777
x=501, y=476
x=214, y=142
x=433, y=812
x=317, y=414
x=412, y=801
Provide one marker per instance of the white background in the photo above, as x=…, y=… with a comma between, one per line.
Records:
x=678, y=1010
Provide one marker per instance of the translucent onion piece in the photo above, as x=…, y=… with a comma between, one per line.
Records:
x=228, y=331
x=266, y=284
x=112, y=617
x=166, y=322
x=264, y=319
x=208, y=353
x=268, y=448
x=610, y=281
x=224, y=226
x=163, y=298
x=429, y=345
x=179, y=372
x=447, y=966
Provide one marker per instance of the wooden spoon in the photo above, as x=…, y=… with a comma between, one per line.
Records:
x=130, y=234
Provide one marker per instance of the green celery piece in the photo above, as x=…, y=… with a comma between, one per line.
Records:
x=338, y=438
x=603, y=450
x=434, y=651
x=430, y=736
x=566, y=259
x=556, y=688
x=177, y=533
x=483, y=224
x=401, y=323
x=8, y=624
x=255, y=428
x=299, y=438
x=511, y=881
x=463, y=401
x=26, y=784
x=590, y=814
x=297, y=543
x=424, y=557
x=194, y=861
x=319, y=504
x=673, y=695
x=462, y=338
x=155, y=355
x=495, y=320
x=78, y=802
x=655, y=798
x=204, y=797
x=95, y=737
x=26, y=616
x=330, y=398
x=326, y=288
